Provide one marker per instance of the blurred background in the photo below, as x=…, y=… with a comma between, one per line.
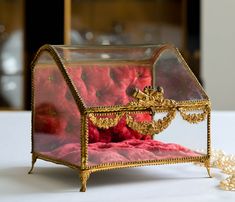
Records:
x=202, y=30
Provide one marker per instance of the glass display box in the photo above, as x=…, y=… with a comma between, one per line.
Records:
x=97, y=108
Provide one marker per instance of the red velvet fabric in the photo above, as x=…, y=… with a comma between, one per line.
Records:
x=57, y=121
x=107, y=85
x=118, y=133
x=126, y=151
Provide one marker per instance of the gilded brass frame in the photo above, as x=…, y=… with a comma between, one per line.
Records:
x=85, y=170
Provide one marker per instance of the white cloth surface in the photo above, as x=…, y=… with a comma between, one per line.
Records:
x=51, y=182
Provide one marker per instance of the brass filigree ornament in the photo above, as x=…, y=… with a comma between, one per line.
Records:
x=106, y=122
x=153, y=127
x=226, y=164
x=195, y=117
x=152, y=100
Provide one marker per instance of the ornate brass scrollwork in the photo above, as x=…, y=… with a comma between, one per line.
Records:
x=106, y=122
x=153, y=127
x=151, y=100
x=150, y=97
x=195, y=117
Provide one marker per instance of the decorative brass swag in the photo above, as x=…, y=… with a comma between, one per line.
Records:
x=153, y=101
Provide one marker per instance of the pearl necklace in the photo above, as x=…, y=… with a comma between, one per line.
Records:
x=226, y=164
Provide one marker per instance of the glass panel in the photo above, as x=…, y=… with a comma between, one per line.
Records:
x=109, y=84
x=107, y=76
x=57, y=121
x=178, y=83
x=116, y=144
x=183, y=133
x=105, y=53
x=122, y=143
x=139, y=22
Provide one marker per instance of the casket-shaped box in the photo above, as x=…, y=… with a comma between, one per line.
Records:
x=96, y=108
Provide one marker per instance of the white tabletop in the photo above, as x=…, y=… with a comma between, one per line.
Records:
x=51, y=182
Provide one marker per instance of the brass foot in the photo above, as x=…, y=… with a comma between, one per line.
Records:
x=84, y=175
x=208, y=171
x=207, y=166
x=34, y=159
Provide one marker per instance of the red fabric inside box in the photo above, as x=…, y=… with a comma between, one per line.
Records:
x=125, y=151
x=57, y=121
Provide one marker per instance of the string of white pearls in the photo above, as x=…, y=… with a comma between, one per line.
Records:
x=226, y=163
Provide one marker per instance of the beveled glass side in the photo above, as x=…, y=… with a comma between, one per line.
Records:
x=57, y=120
x=193, y=137
x=171, y=72
x=106, y=75
x=91, y=53
x=108, y=84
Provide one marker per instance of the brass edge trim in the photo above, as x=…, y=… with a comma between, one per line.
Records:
x=109, y=166
x=209, y=134
x=76, y=95
x=54, y=160
x=194, y=107
x=84, y=141
x=82, y=131
x=189, y=103
x=58, y=60
x=116, y=108
x=109, y=47
x=120, y=108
